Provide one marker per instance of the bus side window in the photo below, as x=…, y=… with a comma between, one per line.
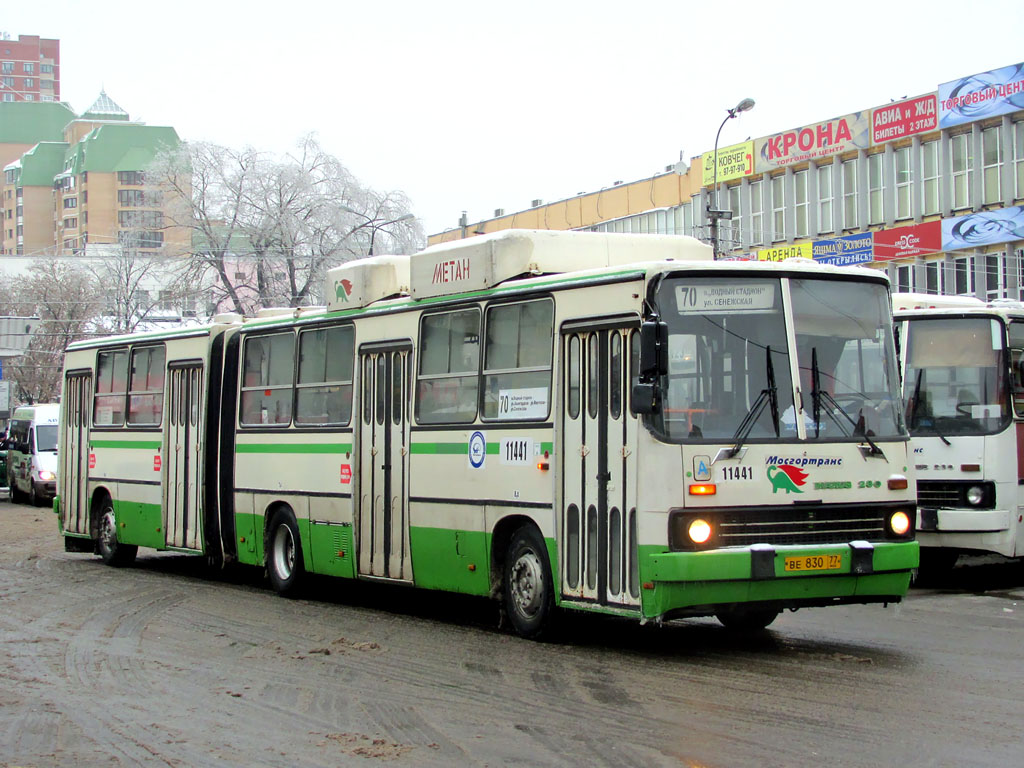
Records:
x=324, y=389
x=268, y=364
x=111, y=388
x=517, y=360
x=146, y=396
x=449, y=367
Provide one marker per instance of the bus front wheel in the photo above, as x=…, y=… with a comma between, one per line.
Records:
x=747, y=619
x=529, y=594
x=284, y=560
x=111, y=550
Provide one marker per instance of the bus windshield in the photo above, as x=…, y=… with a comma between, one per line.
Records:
x=729, y=361
x=849, y=382
x=955, y=382
x=727, y=346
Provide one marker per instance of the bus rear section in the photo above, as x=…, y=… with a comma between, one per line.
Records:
x=964, y=392
x=138, y=429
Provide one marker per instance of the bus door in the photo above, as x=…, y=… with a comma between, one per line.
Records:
x=599, y=438
x=383, y=519
x=73, y=467
x=181, y=456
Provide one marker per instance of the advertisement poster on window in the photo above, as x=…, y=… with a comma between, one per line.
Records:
x=845, y=251
x=904, y=118
x=976, y=230
x=986, y=94
x=907, y=242
x=813, y=142
x=734, y=162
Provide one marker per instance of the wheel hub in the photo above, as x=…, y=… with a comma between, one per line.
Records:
x=526, y=584
x=108, y=530
x=284, y=552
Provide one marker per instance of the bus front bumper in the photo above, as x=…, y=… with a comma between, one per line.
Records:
x=702, y=583
x=984, y=530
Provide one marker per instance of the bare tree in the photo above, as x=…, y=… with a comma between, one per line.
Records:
x=65, y=297
x=134, y=285
x=268, y=229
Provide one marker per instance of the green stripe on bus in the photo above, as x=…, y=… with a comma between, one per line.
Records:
x=294, y=448
x=151, y=445
x=456, y=448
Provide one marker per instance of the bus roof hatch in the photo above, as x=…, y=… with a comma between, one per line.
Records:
x=481, y=262
x=364, y=281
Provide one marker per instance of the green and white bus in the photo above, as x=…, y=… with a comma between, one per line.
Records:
x=588, y=421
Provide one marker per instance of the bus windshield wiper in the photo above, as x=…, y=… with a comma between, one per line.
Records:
x=818, y=395
x=914, y=419
x=768, y=396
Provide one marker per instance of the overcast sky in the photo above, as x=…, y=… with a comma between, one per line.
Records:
x=473, y=106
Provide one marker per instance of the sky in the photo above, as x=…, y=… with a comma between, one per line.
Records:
x=474, y=106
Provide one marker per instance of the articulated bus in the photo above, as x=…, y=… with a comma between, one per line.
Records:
x=963, y=384
x=557, y=420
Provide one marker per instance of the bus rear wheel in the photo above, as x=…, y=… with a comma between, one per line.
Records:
x=529, y=594
x=747, y=619
x=284, y=555
x=111, y=550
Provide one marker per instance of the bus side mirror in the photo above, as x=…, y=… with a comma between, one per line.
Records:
x=653, y=365
x=646, y=399
x=653, y=349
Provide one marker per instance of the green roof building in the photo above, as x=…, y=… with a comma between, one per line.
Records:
x=77, y=182
x=23, y=124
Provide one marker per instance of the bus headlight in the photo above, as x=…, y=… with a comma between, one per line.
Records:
x=692, y=531
x=975, y=495
x=699, y=531
x=899, y=523
x=46, y=476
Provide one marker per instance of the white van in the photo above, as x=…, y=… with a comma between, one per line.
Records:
x=32, y=453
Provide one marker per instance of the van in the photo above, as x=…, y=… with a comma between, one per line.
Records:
x=32, y=453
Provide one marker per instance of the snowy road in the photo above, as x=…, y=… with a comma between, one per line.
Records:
x=164, y=664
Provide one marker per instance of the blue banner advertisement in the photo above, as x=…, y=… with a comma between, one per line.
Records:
x=976, y=230
x=986, y=94
x=844, y=251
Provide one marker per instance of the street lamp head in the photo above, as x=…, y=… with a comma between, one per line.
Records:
x=744, y=106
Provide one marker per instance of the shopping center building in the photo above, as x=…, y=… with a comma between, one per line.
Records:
x=930, y=189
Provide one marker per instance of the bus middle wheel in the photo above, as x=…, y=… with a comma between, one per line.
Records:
x=528, y=590
x=284, y=555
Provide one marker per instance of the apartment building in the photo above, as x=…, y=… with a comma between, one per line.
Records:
x=29, y=69
x=83, y=192
x=930, y=189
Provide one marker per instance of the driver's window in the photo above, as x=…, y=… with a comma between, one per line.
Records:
x=1016, y=361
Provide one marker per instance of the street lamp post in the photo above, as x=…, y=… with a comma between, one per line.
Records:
x=713, y=211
